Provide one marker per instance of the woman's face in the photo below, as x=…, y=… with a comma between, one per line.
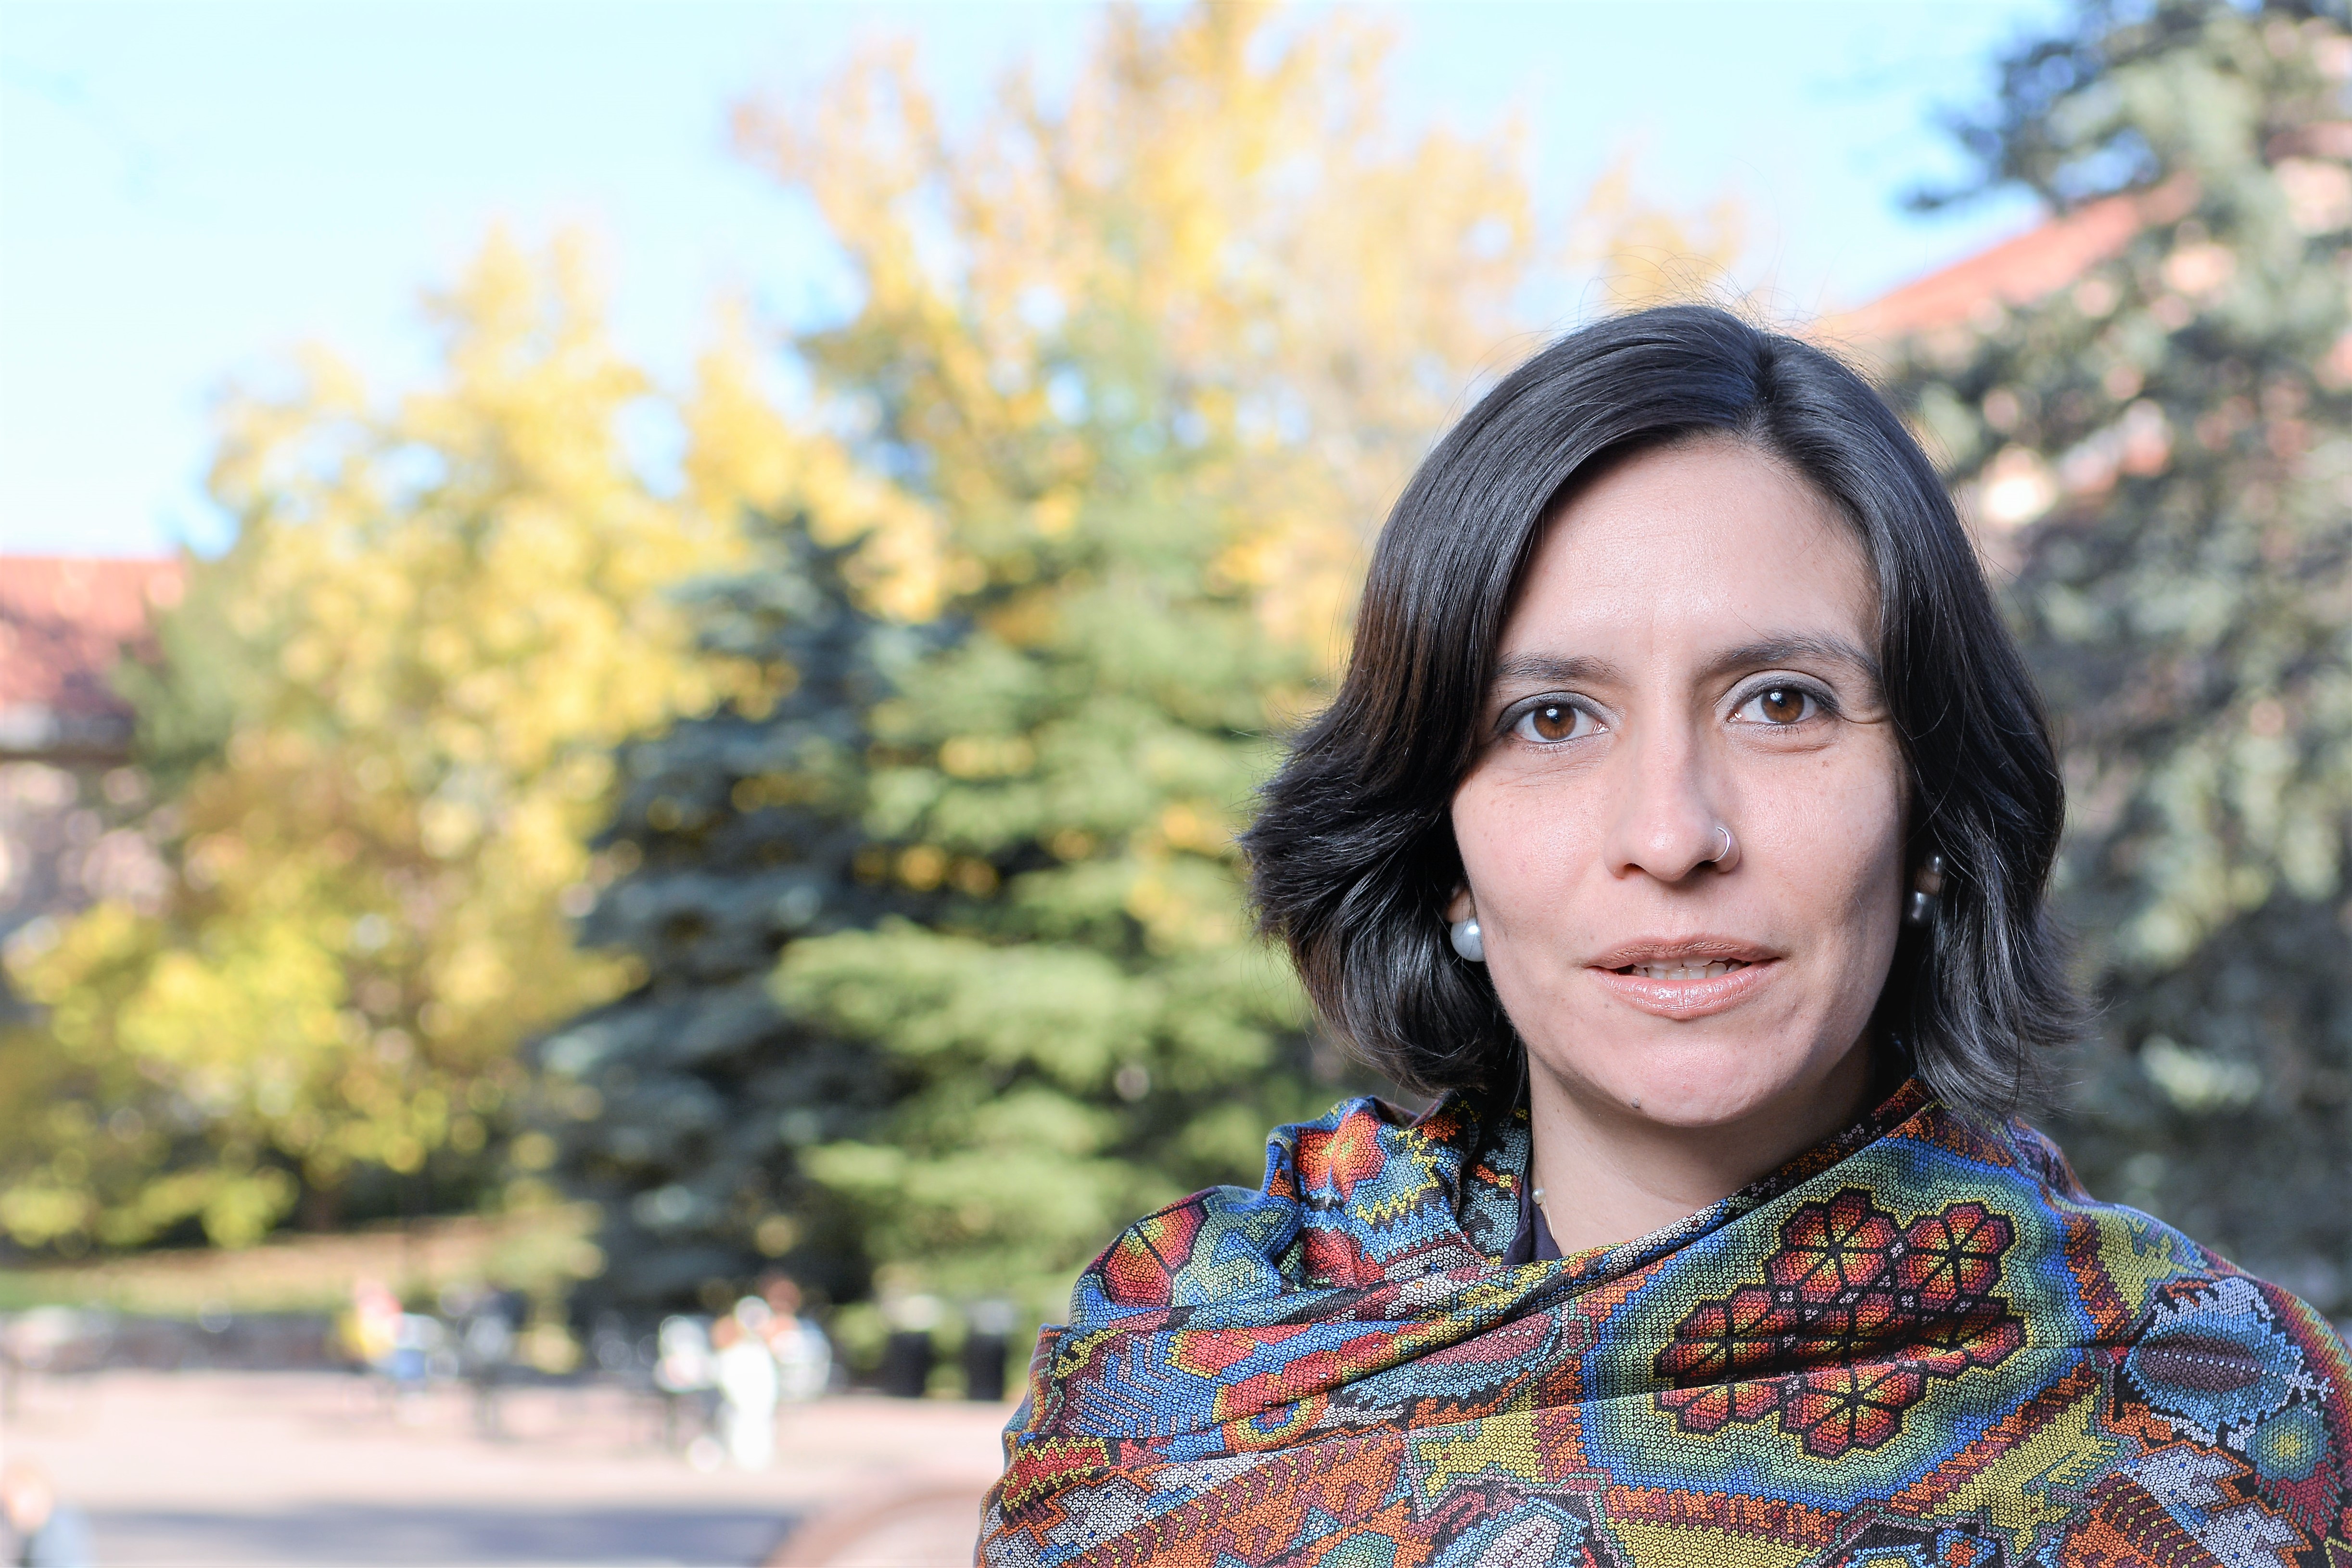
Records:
x=1691, y=656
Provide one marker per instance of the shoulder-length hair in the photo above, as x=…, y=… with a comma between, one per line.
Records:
x=1352, y=856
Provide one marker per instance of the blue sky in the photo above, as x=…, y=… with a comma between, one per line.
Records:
x=188, y=190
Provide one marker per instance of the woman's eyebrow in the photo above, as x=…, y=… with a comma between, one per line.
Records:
x=1563, y=669
x=1791, y=649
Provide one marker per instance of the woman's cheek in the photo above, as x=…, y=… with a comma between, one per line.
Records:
x=1524, y=847
x=1839, y=837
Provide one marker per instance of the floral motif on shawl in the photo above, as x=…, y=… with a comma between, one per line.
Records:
x=1920, y=1343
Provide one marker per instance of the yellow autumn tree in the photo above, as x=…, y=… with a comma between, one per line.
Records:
x=1223, y=231
x=384, y=723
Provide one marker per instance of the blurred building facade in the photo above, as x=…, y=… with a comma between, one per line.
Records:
x=66, y=782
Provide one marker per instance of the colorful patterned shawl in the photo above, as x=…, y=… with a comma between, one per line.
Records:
x=1921, y=1343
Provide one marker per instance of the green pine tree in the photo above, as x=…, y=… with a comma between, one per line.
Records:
x=679, y=1107
x=2160, y=456
x=1087, y=1029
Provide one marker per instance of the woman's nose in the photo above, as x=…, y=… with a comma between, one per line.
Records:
x=1666, y=824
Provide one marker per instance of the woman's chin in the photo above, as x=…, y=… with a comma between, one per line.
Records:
x=1702, y=1089
x=1712, y=1105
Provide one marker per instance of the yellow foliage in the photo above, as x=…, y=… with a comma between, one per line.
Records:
x=441, y=619
x=1311, y=289
x=744, y=452
x=1649, y=255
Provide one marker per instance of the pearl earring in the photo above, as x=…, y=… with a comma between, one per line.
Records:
x=1469, y=940
x=1927, y=893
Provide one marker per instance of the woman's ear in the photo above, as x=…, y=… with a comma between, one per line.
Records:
x=1459, y=907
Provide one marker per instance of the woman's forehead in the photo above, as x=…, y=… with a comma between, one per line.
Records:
x=1697, y=546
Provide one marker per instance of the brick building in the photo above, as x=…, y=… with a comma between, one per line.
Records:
x=64, y=735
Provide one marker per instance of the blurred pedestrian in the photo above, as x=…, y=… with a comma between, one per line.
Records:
x=489, y=1322
x=42, y=1531
x=804, y=1355
x=420, y=1342
x=370, y=1326
x=688, y=1377
x=749, y=1382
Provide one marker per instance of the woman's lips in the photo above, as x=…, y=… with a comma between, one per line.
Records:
x=1691, y=998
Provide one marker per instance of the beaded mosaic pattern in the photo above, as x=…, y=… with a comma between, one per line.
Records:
x=1919, y=1344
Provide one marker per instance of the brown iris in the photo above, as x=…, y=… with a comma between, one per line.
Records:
x=1783, y=705
x=1555, y=720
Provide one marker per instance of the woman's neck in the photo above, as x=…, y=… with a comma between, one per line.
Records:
x=1608, y=1173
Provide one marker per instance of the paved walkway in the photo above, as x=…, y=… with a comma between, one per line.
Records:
x=184, y=1469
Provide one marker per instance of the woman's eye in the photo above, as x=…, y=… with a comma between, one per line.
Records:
x=1548, y=722
x=1781, y=705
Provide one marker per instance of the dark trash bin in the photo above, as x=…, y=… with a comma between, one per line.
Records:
x=983, y=1365
x=906, y=1363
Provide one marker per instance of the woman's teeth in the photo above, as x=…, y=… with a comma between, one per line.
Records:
x=1684, y=970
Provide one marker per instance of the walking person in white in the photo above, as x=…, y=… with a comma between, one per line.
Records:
x=748, y=1389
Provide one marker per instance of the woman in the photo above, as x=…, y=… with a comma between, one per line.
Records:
x=1683, y=824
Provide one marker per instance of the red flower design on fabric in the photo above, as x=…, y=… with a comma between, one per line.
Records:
x=1856, y=1314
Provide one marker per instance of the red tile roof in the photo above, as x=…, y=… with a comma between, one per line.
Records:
x=2034, y=266
x=65, y=621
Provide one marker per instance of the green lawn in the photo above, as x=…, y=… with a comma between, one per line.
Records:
x=540, y=1251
